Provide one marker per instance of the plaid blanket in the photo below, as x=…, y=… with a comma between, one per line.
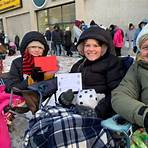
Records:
x=57, y=127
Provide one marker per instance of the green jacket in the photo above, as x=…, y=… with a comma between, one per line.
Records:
x=130, y=98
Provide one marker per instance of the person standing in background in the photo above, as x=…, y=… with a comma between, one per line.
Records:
x=112, y=30
x=140, y=26
x=17, y=41
x=48, y=38
x=57, y=39
x=2, y=36
x=67, y=41
x=118, y=40
x=129, y=37
x=76, y=31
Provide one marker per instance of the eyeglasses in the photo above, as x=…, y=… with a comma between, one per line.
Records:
x=34, y=47
x=144, y=47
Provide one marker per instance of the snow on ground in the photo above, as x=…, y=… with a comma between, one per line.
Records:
x=20, y=124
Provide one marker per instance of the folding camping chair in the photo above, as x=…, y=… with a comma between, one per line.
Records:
x=117, y=123
x=121, y=127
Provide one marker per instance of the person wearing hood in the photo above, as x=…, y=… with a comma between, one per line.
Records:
x=100, y=69
x=22, y=71
x=130, y=98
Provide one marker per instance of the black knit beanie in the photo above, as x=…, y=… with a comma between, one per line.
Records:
x=33, y=36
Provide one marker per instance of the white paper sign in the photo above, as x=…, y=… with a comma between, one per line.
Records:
x=69, y=81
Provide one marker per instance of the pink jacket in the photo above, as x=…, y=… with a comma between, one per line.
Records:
x=5, y=141
x=118, y=38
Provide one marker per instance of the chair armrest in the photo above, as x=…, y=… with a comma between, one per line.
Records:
x=113, y=124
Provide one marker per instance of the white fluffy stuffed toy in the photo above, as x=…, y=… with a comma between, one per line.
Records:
x=88, y=98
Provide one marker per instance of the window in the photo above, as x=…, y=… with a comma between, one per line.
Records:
x=1, y=25
x=64, y=15
x=55, y=15
x=68, y=12
x=42, y=19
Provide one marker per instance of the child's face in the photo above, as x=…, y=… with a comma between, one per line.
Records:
x=35, y=48
x=144, y=51
x=92, y=49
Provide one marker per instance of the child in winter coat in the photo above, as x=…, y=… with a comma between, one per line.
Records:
x=22, y=74
x=23, y=71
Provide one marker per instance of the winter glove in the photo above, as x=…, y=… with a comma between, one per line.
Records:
x=146, y=122
x=135, y=49
x=37, y=75
x=104, y=109
x=66, y=98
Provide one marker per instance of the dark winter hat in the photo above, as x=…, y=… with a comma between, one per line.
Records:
x=33, y=36
x=97, y=33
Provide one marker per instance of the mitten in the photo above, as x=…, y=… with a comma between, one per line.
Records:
x=135, y=49
x=104, y=109
x=146, y=122
x=37, y=75
x=66, y=98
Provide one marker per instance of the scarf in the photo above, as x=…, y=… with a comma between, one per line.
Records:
x=28, y=63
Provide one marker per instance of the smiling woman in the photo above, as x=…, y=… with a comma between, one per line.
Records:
x=100, y=69
x=93, y=49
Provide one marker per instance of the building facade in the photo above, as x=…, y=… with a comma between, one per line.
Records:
x=26, y=16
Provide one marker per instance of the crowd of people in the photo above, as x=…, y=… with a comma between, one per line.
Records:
x=102, y=70
x=64, y=40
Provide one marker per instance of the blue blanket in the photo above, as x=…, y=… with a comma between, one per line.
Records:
x=55, y=127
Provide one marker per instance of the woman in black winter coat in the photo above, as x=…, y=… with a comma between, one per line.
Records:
x=100, y=69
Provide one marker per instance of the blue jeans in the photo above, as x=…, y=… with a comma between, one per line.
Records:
x=58, y=49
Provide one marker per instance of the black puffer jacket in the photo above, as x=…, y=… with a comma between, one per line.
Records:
x=15, y=76
x=103, y=75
